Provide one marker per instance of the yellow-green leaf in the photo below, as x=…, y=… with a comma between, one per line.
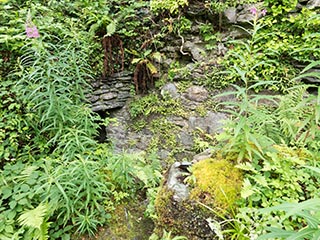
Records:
x=152, y=68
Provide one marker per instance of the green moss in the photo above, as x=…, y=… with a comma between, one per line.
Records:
x=186, y=218
x=153, y=104
x=201, y=110
x=218, y=183
x=128, y=222
x=166, y=131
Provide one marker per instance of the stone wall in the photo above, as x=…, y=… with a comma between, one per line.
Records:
x=111, y=92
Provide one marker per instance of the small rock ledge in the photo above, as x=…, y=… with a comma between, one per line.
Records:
x=111, y=92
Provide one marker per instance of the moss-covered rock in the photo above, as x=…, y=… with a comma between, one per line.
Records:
x=217, y=184
x=127, y=223
x=185, y=218
x=215, y=187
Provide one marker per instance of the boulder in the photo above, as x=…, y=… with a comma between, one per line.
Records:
x=231, y=14
x=176, y=172
x=197, y=94
x=171, y=89
x=211, y=123
x=313, y=4
x=186, y=209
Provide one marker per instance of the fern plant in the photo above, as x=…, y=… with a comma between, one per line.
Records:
x=36, y=221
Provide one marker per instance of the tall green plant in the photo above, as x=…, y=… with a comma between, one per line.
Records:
x=53, y=87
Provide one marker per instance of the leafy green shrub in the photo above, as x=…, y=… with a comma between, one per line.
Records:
x=278, y=42
x=307, y=210
x=167, y=5
x=79, y=195
x=276, y=178
x=51, y=166
x=266, y=65
x=20, y=188
x=52, y=87
x=275, y=173
x=15, y=133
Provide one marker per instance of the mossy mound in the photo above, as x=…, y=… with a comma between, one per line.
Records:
x=215, y=187
x=127, y=223
x=217, y=184
x=184, y=218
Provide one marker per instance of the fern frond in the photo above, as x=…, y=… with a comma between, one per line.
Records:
x=33, y=218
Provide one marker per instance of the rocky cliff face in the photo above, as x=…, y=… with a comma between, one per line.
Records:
x=188, y=128
x=111, y=92
x=195, y=122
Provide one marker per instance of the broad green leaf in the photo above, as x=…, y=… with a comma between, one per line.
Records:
x=12, y=204
x=9, y=229
x=23, y=201
x=111, y=28
x=24, y=187
x=152, y=68
x=276, y=233
x=305, y=233
x=6, y=192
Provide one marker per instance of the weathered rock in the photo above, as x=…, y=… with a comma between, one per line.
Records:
x=109, y=96
x=163, y=154
x=210, y=123
x=196, y=93
x=179, y=121
x=186, y=139
x=185, y=215
x=231, y=14
x=221, y=49
x=313, y=4
x=196, y=49
x=111, y=93
x=174, y=183
x=201, y=156
x=245, y=14
x=171, y=89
